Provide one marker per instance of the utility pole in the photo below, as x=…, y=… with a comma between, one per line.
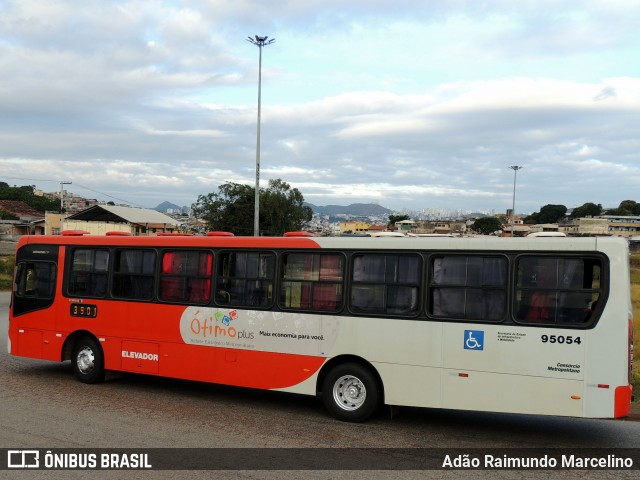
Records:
x=62, y=184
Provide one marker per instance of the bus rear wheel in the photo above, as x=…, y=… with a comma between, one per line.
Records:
x=88, y=361
x=351, y=392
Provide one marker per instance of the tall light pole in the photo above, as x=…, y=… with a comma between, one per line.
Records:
x=259, y=42
x=515, y=169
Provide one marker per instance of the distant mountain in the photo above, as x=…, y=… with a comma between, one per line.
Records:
x=355, y=209
x=165, y=206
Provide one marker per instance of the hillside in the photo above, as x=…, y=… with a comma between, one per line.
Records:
x=26, y=194
x=164, y=206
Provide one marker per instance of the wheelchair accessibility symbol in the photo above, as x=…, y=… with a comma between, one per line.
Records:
x=474, y=340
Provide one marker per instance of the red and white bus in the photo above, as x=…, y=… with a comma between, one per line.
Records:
x=521, y=325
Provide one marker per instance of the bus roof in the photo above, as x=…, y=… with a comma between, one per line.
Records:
x=496, y=244
x=547, y=234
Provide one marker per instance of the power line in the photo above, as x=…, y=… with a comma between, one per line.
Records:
x=110, y=196
x=79, y=185
x=34, y=179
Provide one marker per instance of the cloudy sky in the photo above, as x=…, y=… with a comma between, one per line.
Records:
x=403, y=103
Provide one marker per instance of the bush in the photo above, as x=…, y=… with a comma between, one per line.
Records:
x=6, y=272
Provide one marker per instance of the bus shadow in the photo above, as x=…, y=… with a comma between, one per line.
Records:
x=513, y=430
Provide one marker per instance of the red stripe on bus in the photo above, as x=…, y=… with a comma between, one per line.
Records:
x=245, y=368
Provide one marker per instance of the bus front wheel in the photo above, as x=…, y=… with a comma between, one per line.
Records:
x=88, y=361
x=351, y=392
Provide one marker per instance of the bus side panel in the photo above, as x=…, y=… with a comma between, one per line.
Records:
x=514, y=369
x=112, y=349
x=264, y=370
x=391, y=341
x=410, y=385
x=246, y=368
x=34, y=342
x=146, y=338
x=606, y=362
x=516, y=350
x=140, y=357
x=28, y=343
x=189, y=362
x=607, y=358
x=511, y=393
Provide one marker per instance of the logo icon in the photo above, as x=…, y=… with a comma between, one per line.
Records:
x=474, y=340
x=23, y=458
x=226, y=319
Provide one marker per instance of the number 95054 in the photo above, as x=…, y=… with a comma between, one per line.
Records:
x=568, y=339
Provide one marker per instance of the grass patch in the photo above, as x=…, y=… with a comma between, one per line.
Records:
x=6, y=272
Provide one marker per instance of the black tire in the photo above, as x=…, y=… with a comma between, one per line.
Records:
x=351, y=392
x=87, y=360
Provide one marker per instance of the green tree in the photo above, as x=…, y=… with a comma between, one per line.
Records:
x=231, y=209
x=26, y=194
x=587, y=210
x=551, y=213
x=487, y=225
x=626, y=207
x=282, y=209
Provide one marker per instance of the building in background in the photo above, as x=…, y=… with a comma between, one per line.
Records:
x=24, y=221
x=100, y=219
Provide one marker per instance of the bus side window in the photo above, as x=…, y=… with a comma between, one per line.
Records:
x=245, y=279
x=89, y=272
x=312, y=281
x=385, y=284
x=468, y=287
x=133, y=274
x=36, y=279
x=557, y=289
x=186, y=276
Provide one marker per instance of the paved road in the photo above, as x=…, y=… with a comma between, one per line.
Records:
x=42, y=406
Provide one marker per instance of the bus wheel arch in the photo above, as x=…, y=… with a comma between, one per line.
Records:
x=351, y=388
x=86, y=355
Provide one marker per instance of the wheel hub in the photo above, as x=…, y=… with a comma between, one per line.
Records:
x=85, y=360
x=349, y=392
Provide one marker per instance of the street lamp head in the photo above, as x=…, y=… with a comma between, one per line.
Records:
x=260, y=41
x=515, y=168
